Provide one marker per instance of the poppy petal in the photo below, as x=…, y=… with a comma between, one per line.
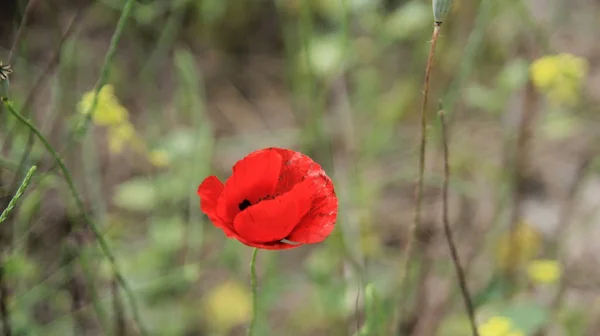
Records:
x=295, y=168
x=319, y=222
x=273, y=220
x=209, y=191
x=269, y=246
x=254, y=177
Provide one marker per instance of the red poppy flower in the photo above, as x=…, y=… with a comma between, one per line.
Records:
x=275, y=199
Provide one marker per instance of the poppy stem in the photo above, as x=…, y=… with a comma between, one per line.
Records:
x=416, y=220
x=460, y=272
x=254, y=292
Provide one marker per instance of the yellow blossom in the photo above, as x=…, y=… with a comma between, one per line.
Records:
x=517, y=247
x=560, y=77
x=227, y=306
x=544, y=270
x=495, y=326
x=108, y=109
x=499, y=326
x=159, y=158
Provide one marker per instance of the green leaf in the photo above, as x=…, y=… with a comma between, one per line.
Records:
x=526, y=316
x=374, y=324
x=136, y=195
x=558, y=124
x=453, y=325
x=479, y=96
x=167, y=234
x=407, y=21
x=514, y=75
x=494, y=290
x=18, y=266
x=575, y=321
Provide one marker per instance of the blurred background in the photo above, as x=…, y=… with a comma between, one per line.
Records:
x=195, y=85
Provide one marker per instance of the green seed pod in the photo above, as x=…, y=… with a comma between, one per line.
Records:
x=440, y=9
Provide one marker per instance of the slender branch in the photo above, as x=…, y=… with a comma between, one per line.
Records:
x=17, y=39
x=254, y=292
x=565, y=221
x=79, y=131
x=520, y=167
x=119, y=313
x=18, y=194
x=88, y=219
x=74, y=287
x=460, y=273
x=108, y=59
x=80, y=252
x=5, y=314
x=416, y=221
x=6, y=147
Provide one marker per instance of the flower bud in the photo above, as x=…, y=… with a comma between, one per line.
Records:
x=440, y=9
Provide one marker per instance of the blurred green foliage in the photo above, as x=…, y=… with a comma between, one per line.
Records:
x=203, y=82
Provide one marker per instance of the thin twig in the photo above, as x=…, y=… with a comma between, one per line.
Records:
x=467, y=59
x=6, y=147
x=119, y=313
x=520, y=166
x=460, y=273
x=89, y=276
x=6, y=324
x=88, y=219
x=416, y=222
x=20, y=31
x=4, y=312
x=564, y=223
x=74, y=288
x=80, y=131
x=104, y=72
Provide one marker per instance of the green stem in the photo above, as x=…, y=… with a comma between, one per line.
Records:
x=4, y=312
x=413, y=245
x=254, y=292
x=88, y=219
x=18, y=194
x=110, y=55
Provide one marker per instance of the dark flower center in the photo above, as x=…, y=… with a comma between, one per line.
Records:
x=245, y=203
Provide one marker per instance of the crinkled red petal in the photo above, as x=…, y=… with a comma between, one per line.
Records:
x=295, y=168
x=209, y=191
x=319, y=222
x=254, y=177
x=273, y=220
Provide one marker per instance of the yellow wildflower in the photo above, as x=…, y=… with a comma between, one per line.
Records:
x=159, y=158
x=560, y=77
x=517, y=247
x=544, y=270
x=119, y=135
x=499, y=326
x=108, y=109
x=227, y=306
x=495, y=326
